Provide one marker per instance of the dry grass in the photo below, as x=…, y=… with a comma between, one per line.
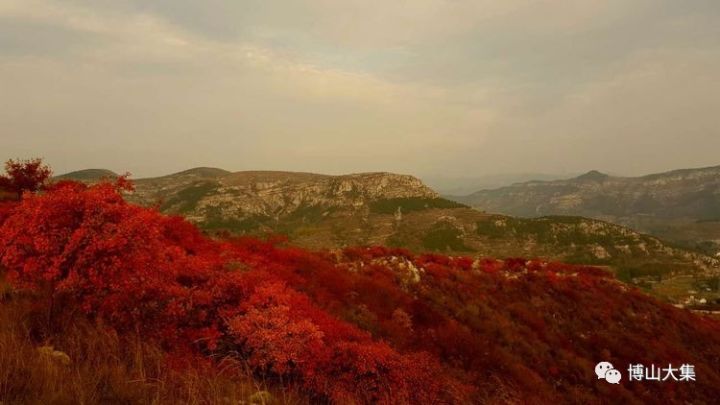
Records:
x=105, y=368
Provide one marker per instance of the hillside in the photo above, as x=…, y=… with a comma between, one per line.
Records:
x=681, y=205
x=670, y=272
x=324, y=212
x=357, y=325
x=241, y=195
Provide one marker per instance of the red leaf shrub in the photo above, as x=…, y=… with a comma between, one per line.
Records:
x=274, y=339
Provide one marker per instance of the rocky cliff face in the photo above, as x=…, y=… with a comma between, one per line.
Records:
x=202, y=194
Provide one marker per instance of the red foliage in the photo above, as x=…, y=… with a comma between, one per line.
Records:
x=143, y=272
x=24, y=175
x=91, y=247
x=6, y=209
x=367, y=325
x=273, y=336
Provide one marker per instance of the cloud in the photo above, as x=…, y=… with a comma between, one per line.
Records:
x=648, y=113
x=158, y=90
x=423, y=86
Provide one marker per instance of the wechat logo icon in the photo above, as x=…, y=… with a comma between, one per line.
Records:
x=606, y=371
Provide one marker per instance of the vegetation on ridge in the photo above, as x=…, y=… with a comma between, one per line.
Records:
x=410, y=204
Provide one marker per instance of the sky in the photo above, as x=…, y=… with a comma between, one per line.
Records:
x=438, y=88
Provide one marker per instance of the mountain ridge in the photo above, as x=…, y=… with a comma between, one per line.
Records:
x=684, y=193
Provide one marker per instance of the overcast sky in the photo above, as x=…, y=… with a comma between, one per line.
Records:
x=428, y=87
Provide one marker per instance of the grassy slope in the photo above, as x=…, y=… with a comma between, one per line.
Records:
x=105, y=368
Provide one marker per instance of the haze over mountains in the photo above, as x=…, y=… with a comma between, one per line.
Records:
x=463, y=185
x=328, y=212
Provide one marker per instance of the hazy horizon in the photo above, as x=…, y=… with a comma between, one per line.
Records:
x=431, y=88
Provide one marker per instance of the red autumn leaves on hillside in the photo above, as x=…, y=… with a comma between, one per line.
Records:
x=365, y=325
x=88, y=250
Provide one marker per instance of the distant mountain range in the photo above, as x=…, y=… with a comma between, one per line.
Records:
x=328, y=212
x=691, y=193
x=682, y=205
